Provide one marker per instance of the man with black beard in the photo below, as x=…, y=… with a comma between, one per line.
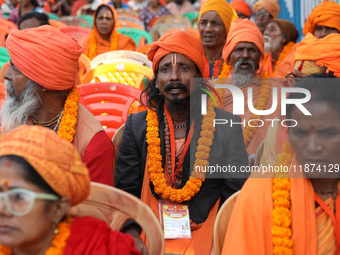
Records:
x=164, y=149
x=244, y=51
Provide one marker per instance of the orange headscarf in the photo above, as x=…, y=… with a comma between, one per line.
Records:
x=55, y=160
x=324, y=51
x=271, y=6
x=223, y=9
x=45, y=55
x=176, y=41
x=325, y=14
x=96, y=37
x=241, y=6
x=244, y=30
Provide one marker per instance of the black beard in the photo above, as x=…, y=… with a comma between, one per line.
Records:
x=178, y=105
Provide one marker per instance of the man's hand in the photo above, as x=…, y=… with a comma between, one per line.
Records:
x=140, y=245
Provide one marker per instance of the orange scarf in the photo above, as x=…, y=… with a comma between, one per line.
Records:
x=95, y=38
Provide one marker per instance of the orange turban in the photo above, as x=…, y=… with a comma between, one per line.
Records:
x=241, y=6
x=176, y=41
x=243, y=30
x=45, y=55
x=325, y=14
x=223, y=9
x=271, y=6
x=324, y=51
x=55, y=160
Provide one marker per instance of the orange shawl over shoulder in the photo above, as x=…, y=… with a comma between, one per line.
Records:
x=117, y=41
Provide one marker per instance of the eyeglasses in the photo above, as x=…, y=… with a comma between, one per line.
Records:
x=19, y=201
x=262, y=14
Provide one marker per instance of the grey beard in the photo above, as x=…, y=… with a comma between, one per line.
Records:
x=16, y=110
x=272, y=45
x=241, y=79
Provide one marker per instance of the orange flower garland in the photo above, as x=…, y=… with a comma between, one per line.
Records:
x=154, y=158
x=249, y=131
x=93, y=43
x=68, y=122
x=58, y=242
x=281, y=215
x=285, y=51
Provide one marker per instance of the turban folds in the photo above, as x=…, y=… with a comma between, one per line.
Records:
x=55, y=160
x=223, y=9
x=243, y=30
x=324, y=51
x=45, y=55
x=288, y=29
x=241, y=6
x=176, y=41
x=271, y=6
x=325, y=14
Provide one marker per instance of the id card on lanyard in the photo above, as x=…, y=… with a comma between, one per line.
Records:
x=175, y=220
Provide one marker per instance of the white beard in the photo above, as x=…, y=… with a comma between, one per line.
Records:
x=241, y=79
x=271, y=45
x=16, y=111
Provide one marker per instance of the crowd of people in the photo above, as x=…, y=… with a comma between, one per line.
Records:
x=216, y=101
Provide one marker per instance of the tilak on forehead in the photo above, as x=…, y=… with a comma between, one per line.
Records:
x=174, y=59
x=4, y=182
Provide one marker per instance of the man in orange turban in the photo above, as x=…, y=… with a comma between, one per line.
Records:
x=40, y=91
x=244, y=53
x=313, y=56
x=242, y=9
x=265, y=10
x=323, y=20
x=38, y=166
x=160, y=144
x=213, y=25
x=290, y=211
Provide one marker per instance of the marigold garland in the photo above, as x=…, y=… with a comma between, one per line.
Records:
x=281, y=215
x=58, y=242
x=68, y=122
x=249, y=131
x=154, y=159
x=285, y=51
x=93, y=42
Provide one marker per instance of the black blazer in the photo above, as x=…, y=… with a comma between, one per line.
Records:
x=227, y=149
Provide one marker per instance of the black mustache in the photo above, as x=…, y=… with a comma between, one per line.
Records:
x=176, y=85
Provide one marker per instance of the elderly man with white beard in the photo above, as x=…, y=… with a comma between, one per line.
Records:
x=244, y=51
x=279, y=42
x=41, y=91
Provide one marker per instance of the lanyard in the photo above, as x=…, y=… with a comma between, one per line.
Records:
x=173, y=145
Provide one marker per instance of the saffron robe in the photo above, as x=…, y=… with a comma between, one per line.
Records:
x=249, y=229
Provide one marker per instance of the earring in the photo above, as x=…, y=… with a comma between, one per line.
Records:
x=55, y=226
